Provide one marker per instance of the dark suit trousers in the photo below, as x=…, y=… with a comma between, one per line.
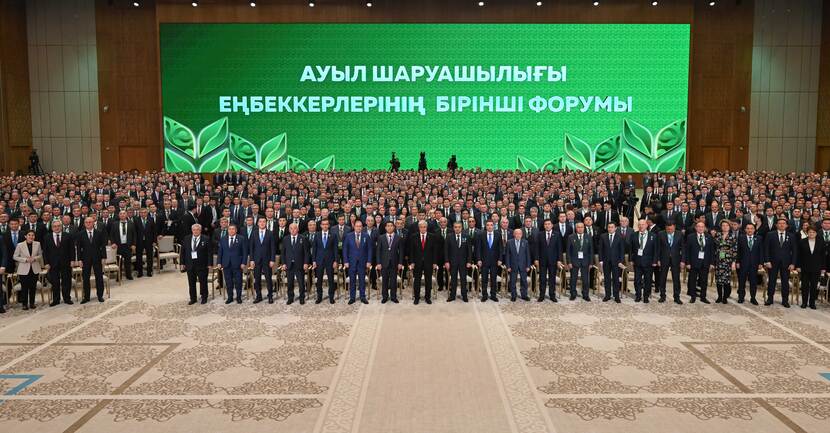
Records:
x=28, y=288
x=489, y=273
x=458, y=273
x=293, y=273
x=261, y=269
x=60, y=278
x=643, y=280
x=143, y=251
x=389, y=275
x=698, y=278
x=424, y=272
x=784, y=272
x=547, y=277
x=202, y=276
x=126, y=254
x=86, y=271
x=663, y=279
x=809, y=288
x=611, y=273
x=442, y=277
x=752, y=276
x=580, y=271
x=233, y=281
x=329, y=272
x=357, y=280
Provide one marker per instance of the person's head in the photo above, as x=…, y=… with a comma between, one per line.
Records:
x=30, y=236
x=642, y=225
x=56, y=226
x=312, y=226
x=89, y=223
x=488, y=226
x=324, y=225
x=548, y=224
x=389, y=227
x=670, y=227
x=357, y=226
x=811, y=232
x=293, y=229
x=457, y=227
x=580, y=228
x=262, y=223
x=232, y=230
x=700, y=227
x=562, y=217
x=422, y=226
x=781, y=224
x=725, y=226
x=825, y=224
x=517, y=234
x=750, y=229
x=196, y=230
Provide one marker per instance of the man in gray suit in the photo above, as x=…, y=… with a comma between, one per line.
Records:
x=518, y=263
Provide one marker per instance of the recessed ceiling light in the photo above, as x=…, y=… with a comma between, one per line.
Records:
x=194, y=4
x=481, y=3
x=136, y=4
x=311, y=4
x=596, y=3
x=711, y=3
x=368, y=4
x=538, y=3
x=654, y=3
x=253, y=4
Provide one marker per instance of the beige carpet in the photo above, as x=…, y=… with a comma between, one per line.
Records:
x=145, y=361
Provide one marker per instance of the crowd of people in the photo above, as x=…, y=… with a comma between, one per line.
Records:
x=376, y=226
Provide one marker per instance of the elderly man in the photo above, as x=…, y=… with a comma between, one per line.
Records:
x=196, y=259
x=518, y=263
x=58, y=252
x=423, y=253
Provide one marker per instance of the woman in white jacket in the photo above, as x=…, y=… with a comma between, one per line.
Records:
x=28, y=255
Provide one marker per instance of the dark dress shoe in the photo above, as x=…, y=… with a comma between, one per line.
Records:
x=140, y=276
x=2, y=310
x=786, y=304
x=191, y=302
x=542, y=299
x=238, y=300
x=331, y=300
x=464, y=298
x=554, y=299
x=725, y=301
x=768, y=303
x=719, y=300
x=53, y=303
x=646, y=301
x=494, y=298
x=525, y=298
x=692, y=301
x=451, y=299
x=229, y=301
x=351, y=301
x=638, y=298
x=258, y=300
x=704, y=300
x=32, y=306
x=204, y=301
x=803, y=305
x=617, y=300
x=416, y=301
x=572, y=297
x=740, y=300
x=363, y=300
x=302, y=301
x=395, y=300
x=25, y=307
x=318, y=300
x=68, y=302
x=384, y=300
x=84, y=301
x=289, y=302
x=513, y=298
x=483, y=299
x=812, y=306
x=678, y=302
x=271, y=299
x=428, y=301
x=586, y=298
x=661, y=300
x=753, y=301
x=606, y=299
x=101, y=299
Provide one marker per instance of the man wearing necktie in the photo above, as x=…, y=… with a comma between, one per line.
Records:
x=233, y=259
x=197, y=260
x=389, y=258
x=670, y=253
x=458, y=259
x=92, y=252
x=295, y=260
x=423, y=255
x=145, y=239
x=612, y=261
x=325, y=260
x=357, y=259
x=699, y=257
x=580, y=256
x=781, y=256
x=488, y=257
x=442, y=276
x=548, y=259
x=749, y=260
x=262, y=259
x=644, y=257
x=518, y=264
x=123, y=239
x=57, y=254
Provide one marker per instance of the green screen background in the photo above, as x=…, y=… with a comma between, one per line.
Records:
x=200, y=62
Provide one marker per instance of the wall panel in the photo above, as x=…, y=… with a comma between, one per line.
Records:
x=15, y=106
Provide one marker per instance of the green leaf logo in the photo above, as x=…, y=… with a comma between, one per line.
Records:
x=273, y=152
x=577, y=153
x=637, y=137
x=179, y=137
x=326, y=163
x=243, y=154
x=525, y=164
x=296, y=164
x=213, y=137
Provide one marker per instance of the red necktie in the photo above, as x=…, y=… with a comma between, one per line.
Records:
x=423, y=242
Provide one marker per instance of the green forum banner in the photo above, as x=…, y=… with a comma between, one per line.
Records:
x=278, y=97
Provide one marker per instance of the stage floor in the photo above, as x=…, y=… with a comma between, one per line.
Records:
x=144, y=361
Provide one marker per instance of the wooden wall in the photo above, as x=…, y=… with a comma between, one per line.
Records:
x=15, y=104
x=720, y=74
x=823, y=110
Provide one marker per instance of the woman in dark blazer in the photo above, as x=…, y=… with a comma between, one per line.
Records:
x=812, y=263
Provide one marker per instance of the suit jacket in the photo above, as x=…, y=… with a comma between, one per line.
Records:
x=295, y=255
x=145, y=233
x=389, y=255
x=357, y=255
x=115, y=233
x=649, y=248
x=233, y=255
x=263, y=251
x=518, y=259
x=204, y=256
x=564, y=235
x=815, y=261
x=21, y=254
x=548, y=252
x=8, y=247
x=574, y=247
x=670, y=255
x=692, y=250
x=750, y=258
x=58, y=255
x=430, y=254
x=611, y=253
x=488, y=255
x=91, y=250
x=777, y=254
x=325, y=254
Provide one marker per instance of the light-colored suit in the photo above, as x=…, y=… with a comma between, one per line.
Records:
x=21, y=253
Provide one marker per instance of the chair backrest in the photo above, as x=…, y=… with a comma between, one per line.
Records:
x=166, y=244
x=112, y=257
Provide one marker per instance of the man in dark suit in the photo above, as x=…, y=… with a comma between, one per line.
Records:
x=57, y=255
x=357, y=258
x=518, y=263
x=812, y=263
x=92, y=246
x=580, y=253
x=670, y=260
x=699, y=256
x=196, y=258
x=145, y=229
x=325, y=260
x=233, y=258
x=123, y=239
x=564, y=228
x=781, y=255
x=389, y=258
x=548, y=259
x=11, y=238
x=295, y=260
x=612, y=261
x=643, y=247
x=488, y=256
x=750, y=258
x=262, y=258
x=423, y=254
x=458, y=256
x=186, y=221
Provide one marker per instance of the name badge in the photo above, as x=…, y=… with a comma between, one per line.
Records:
x=700, y=255
x=194, y=255
x=580, y=255
x=639, y=252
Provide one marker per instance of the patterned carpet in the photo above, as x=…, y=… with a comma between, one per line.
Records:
x=146, y=361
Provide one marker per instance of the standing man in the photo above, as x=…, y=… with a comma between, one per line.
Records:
x=518, y=264
x=325, y=260
x=357, y=259
x=782, y=254
x=488, y=255
x=262, y=257
x=123, y=240
x=423, y=255
x=612, y=261
x=699, y=256
x=750, y=259
x=92, y=246
x=295, y=261
x=644, y=257
x=458, y=254
x=233, y=257
x=580, y=253
x=146, y=234
x=670, y=259
x=549, y=248
x=389, y=258
x=196, y=258
x=57, y=255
